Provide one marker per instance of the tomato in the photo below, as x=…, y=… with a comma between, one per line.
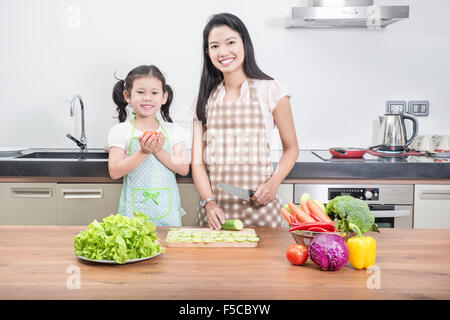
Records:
x=151, y=133
x=297, y=254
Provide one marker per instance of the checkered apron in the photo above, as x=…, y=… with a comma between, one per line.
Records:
x=237, y=152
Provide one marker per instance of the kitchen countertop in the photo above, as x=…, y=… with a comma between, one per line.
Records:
x=37, y=262
x=308, y=166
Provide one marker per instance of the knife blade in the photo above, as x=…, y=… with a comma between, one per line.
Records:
x=236, y=191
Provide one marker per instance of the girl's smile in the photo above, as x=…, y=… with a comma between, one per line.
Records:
x=146, y=96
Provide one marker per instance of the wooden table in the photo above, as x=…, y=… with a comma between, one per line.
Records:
x=38, y=262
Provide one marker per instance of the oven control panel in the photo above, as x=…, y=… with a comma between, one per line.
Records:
x=369, y=194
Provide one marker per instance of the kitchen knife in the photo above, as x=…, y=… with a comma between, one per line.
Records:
x=236, y=191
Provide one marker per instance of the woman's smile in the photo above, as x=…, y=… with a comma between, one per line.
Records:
x=226, y=62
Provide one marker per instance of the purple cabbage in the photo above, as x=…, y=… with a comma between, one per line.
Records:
x=329, y=251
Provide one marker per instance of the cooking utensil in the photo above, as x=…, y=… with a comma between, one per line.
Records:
x=236, y=191
x=305, y=237
x=438, y=153
x=392, y=132
x=348, y=152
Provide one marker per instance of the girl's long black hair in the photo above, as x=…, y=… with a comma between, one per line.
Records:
x=211, y=77
x=127, y=84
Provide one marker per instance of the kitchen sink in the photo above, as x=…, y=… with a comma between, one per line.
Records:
x=65, y=155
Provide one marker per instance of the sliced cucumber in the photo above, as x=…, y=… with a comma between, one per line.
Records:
x=253, y=239
x=233, y=224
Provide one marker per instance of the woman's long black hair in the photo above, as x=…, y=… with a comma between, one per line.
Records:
x=127, y=84
x=211, y=77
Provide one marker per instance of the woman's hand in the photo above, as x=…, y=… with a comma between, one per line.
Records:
x=214, y=215
x=265, y=193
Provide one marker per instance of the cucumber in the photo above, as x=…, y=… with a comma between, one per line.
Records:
x=305, y=197
x=233, y=224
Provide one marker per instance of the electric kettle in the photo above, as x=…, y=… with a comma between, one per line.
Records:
x=392, y=133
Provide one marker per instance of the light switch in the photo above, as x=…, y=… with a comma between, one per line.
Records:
x=396, y=106
x=419, y=108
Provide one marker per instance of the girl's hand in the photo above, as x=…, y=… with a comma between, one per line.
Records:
x=149, y=145
x=161, y=140
x=265, y=193
x=214, y=215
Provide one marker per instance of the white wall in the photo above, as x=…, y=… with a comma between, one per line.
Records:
x=339, y=78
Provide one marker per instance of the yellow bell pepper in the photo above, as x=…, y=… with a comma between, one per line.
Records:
x=363, y=252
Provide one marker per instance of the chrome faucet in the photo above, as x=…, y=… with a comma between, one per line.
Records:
x=82, y=143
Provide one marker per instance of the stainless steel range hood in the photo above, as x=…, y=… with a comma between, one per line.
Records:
x=345, y=13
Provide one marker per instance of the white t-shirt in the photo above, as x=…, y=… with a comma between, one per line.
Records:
x=120, y=134
x=269, y=93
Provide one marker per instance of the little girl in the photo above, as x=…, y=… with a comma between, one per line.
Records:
x=148, y=149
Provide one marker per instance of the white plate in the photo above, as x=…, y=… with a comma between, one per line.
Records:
x=115, y=262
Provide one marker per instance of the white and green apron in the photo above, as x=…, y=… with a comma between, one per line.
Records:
x=151, y=188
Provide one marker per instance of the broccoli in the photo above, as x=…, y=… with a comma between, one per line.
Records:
x=351, y=214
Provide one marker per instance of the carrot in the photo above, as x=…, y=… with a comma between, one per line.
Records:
x=295, y=221
x=300, y=214
x=317, y=211
x=287, y=215
x=304, y=207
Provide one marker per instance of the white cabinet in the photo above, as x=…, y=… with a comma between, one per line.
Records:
x=80, y=204
x=57, y=204
x=431, y=206
x=189, y=199
x=27, y=204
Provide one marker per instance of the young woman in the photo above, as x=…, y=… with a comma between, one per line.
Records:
x=236, y=109
x=148, y=150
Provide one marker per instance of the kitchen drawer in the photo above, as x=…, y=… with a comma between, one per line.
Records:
x=431, y=206
x=27, y=204
x=80, y=204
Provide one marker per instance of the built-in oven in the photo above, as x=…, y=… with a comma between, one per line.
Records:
x=392, y=205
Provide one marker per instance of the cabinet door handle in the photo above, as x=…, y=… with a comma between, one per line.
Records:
x=31, y=192
x=391, y=214
x=435, y=195
x=82, y=193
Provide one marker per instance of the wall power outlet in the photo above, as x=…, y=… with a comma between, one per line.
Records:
x=419, y=108
x=396, y=106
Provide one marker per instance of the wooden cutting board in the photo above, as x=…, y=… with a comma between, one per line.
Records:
x=208, y=234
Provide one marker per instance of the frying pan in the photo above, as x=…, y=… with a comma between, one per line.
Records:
x=348, y=152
